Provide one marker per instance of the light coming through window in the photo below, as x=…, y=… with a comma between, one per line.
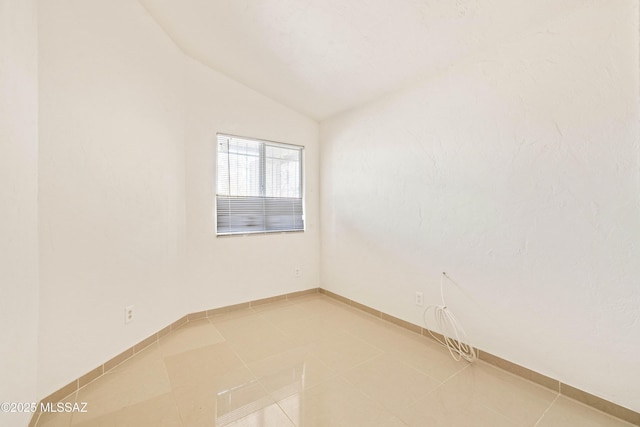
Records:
x=259, y=186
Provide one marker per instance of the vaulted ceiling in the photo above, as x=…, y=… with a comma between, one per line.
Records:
x=321, y=57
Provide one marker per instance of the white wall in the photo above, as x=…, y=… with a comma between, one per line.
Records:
x=517, y=172
x=111, y=183
x=234, y=269
x=127, y=134
x=18, y=202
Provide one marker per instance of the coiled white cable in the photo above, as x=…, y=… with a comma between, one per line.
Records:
x=455, y=338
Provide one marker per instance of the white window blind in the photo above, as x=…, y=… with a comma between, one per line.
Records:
x=259, y=186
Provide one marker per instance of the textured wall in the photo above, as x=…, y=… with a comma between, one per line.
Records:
x=18, y=204
x=517, y=172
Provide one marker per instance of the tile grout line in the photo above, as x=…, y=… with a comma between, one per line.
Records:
x=547, y=410
x=244, y=362
x=256, y=379
x=251, y=371
x=285, y=414
x=440, y=383
x=73, y=415
x=364, y=392
x=173, y=396
x=450, y=377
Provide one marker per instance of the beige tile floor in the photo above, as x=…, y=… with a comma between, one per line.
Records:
x=312, y=361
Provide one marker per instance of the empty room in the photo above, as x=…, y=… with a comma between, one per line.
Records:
x=298, y=213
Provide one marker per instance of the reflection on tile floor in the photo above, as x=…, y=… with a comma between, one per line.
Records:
x=312, y=361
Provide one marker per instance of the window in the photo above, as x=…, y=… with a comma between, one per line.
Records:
x=259, y=186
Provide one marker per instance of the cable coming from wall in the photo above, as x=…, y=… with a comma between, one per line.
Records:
x=455, y=338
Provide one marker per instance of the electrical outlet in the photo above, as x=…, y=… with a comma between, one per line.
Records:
x=419, y=299
x=296, y=272
x=128, y=313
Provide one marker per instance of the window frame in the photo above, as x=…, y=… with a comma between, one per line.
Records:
x=262, y=177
